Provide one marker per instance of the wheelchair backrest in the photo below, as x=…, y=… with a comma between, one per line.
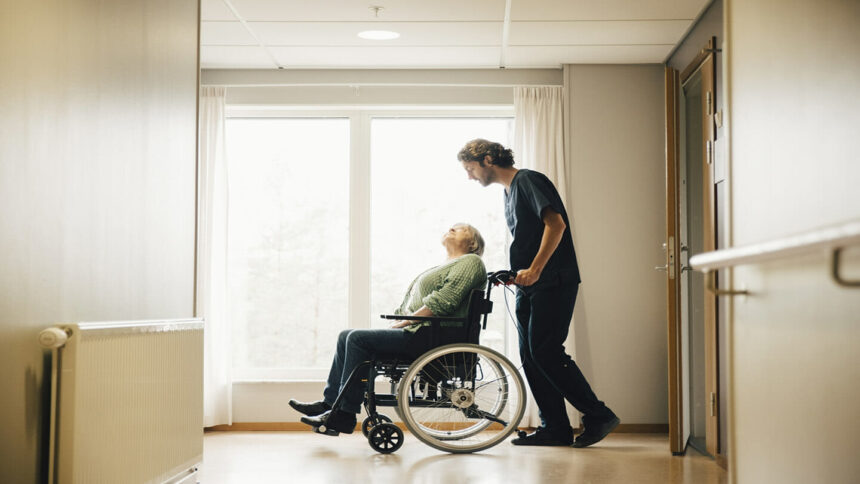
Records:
x=479, y=306
x=470, y=332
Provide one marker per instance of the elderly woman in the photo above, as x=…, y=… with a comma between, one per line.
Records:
x=442, y=290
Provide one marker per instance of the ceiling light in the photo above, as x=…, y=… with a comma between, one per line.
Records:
x=378, y=35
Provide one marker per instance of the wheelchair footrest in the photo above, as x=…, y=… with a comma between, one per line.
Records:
x=327, y=431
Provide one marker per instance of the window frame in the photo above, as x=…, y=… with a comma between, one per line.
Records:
x=360, y=119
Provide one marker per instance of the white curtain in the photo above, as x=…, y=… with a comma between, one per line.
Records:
x=539, y=144
x=212, y=260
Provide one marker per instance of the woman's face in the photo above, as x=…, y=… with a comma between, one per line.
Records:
x=458, y=236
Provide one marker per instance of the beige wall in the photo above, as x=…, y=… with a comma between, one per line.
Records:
x=794, y=114
x=616, y=194
x=97, y=177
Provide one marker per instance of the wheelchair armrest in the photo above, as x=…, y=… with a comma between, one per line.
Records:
x=404, y=317
x=435, y=324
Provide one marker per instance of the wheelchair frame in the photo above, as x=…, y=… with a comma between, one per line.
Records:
x=459, y=393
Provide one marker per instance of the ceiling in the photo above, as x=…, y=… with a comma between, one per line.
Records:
x=297, y=34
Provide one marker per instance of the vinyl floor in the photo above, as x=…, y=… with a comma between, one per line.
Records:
x=305, y=457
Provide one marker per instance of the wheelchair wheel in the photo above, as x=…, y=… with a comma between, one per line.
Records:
x=368, y=423
x=385, y=438
x=461, y=398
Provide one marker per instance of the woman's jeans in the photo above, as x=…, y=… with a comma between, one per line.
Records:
x=355, y=346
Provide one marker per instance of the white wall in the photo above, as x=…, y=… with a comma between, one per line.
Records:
x=794, y=115
x=97, y=185
x=616, y=181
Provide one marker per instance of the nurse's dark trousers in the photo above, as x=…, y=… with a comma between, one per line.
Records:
x=544, y=321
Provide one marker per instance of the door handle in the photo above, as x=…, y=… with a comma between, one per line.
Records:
x=661, y=268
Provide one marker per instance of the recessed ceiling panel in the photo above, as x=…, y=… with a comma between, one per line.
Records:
x=522, y=10
x=411, y=33
x=358, y=11
x=444, y=33
x=215, y=10
x=390, y=57
x=214, y=57
x=592, y=54
x=597, y=32
x=225, y=33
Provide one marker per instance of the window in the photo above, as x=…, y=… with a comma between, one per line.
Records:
x=331, y=216
x=288, y=239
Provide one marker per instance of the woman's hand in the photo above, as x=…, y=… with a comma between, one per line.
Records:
x=424, y=311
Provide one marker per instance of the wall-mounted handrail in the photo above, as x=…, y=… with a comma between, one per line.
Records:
x=832, y=239
x=834, y=270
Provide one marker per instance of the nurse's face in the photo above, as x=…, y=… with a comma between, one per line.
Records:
x=483, y=174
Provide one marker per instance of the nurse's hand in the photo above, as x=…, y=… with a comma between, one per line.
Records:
x=527, y=277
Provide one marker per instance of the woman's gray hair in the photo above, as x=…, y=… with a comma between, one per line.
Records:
x=477, y=245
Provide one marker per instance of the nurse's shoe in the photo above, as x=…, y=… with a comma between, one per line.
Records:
x=545, y=437
x=595, y=431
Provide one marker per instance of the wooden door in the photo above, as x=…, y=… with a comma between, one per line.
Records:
x=679, y=382
x=678, y=432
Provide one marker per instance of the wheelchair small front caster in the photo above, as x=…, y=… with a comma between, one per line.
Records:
x=368, y=423
x=385, y=438
x=521, y=434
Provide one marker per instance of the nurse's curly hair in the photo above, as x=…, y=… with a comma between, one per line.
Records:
x=478, y=149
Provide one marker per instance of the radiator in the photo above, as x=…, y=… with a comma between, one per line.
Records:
x=126, y=402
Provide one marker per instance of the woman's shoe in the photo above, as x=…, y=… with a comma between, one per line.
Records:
x=310, y=408
x=333, y=422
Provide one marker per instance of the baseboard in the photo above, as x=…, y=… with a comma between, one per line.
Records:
x=298, y=426
x=642, y=429
x=635, y=429
x=262, y=426
x=272, y=426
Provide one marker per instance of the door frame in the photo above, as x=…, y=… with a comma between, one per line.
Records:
x=705, y=61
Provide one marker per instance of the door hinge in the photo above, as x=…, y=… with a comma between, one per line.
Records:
x=710, y=103
x=713, y=404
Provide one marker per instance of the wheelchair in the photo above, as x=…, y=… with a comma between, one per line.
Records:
x=456, y=396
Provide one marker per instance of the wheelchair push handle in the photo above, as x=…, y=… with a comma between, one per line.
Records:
x=501, y=277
